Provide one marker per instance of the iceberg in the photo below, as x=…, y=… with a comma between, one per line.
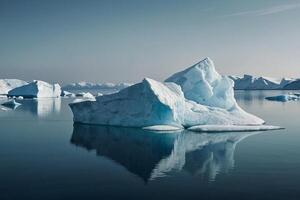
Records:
x=249, y=82
x=83, y=85
x=85, y=95
x=285, y=97
x=65, y=93
x=294, y=85
x=36, y=89
x=195, y=96
x=9, y=84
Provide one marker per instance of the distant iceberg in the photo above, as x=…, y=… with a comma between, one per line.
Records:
x=88, y=86
x=249, y=82
x=9, y=84
x=285, y=97
x=36, y=89
x=294, y=85
x=195, y=96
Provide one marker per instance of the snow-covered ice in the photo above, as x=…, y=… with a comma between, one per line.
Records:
x=195, y=96
x=36, y=89
x=285, y=97
x=9, y=84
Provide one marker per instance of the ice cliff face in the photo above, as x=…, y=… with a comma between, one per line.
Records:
x=195, y=96
x=37, y=89
x=9, y=84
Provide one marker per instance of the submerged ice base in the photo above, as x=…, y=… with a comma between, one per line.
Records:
x=195, y=96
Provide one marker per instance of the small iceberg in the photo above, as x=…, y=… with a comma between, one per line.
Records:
x=36, y=89
x=65, y=93
x=285, y=97
x=87, y=95
x=11, y=104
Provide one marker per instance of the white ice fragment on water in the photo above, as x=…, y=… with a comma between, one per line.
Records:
x=36, y=89
x=162, y=128
x=285, y=97
x=87, y=95
x=65, y=93
x=232, y=128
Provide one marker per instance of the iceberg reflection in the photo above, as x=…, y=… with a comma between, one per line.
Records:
x=41, y=107
x=152, y=155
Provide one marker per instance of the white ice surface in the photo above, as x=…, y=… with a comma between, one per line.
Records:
x=9, y=84
x=162, y=128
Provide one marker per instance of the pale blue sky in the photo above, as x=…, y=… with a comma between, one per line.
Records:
x=118, y=40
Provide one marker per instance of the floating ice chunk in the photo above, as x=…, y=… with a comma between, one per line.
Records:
x=36, y=89
x=232, y=128
x=285, y=97
x=162, y=128
x=99, y=94
x=65, y=93
x=11, y=104
x=85, y=95
x=9, y=84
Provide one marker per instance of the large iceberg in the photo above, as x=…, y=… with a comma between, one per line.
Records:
x=36, y=89
x=9, y=84
x=193, y=97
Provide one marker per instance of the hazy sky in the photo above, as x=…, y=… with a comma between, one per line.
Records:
x=126, y=40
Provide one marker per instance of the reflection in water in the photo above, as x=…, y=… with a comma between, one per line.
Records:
x=151, y=155
x=41, y=107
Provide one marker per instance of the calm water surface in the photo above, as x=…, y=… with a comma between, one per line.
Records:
x=43, y=156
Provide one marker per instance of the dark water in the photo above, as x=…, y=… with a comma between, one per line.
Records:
x=43, y=156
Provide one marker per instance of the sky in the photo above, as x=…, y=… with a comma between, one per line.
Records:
x=124, y=41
